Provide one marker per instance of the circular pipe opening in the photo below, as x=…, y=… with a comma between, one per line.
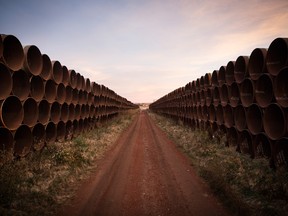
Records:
x=264, y=93
x=274, y=122
x=75, y=96
x=254, y=119
x=208, y=96
x=61, y=93
x=13, y=54
x=234, y=94
x=214, y=79
x=257, y=64
x=30, y=112
x=55, y=112
x=281, y=87
x=37, y=89
x=229, y=75
x=87, y=85
x=277, y=55
x=61, y=131
x=247, y=92
x=50, y=91
x=22, y=141
x=240, y=68
x=79, y=81
x=51, y=132
x=219, y=115
x=69, y=94
x=221, y=75
x=46, y=68
x=240, y=118
x=71, y=112
x=5, y=82
x=65, y=79
x=44, y=112
x=228, y=116
x=6, y=140
x=77, y=112
x=207, y=80
x=64, y=112
x=21, y=84
x=224, y=95
x=12, y=112
x=38, y=134
x=33, y=61
x=216, y=96
x=72, y=78
x=212, y=113
x=57, y=72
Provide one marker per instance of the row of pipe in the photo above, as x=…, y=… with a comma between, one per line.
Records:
x=42, y=101
x=247, y=100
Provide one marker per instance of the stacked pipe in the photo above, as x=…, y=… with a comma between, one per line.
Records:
x=247, y=99
x=41, y=101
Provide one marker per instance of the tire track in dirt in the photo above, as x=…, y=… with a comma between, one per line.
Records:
x=145, y=174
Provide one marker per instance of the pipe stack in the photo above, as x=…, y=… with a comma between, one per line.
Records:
x=247, y=100
x=41, y=101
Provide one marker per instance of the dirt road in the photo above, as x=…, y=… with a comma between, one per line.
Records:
x=145, y=174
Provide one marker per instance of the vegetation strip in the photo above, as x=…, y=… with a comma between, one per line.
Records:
x=246, y=186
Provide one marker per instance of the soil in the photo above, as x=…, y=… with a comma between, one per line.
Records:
x=144, y=174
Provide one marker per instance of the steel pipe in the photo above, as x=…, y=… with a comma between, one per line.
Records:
x=46, y=67
x=216, y=96
x=221, y=75
x=71, y=112
x=13, y=54
x=234, y=96
x=11, y=113
x=79, y=81
x=240, y=118
x=50, y=91
x=214, y=78
x=38, y=134
x=224, y=94
x=66, y=77
x=69, y=94
x=77, y=111
x=241, y=68
x=50, y=132
x=44, y=112
x=212, y=113
x=247, y=92
x=207, y=80
x=61, y=93
x=254, y=116
x=21, y=84
x=219, y=115
x=257, y=63
x=228, y=115
x=6, y=140
x=274, y=121
x=61, y=131
x=22, y=141
x=281, y=88
x=229, y=75
x=64, y=112
x=57, y=72
x=72, y=78
x=75, y=96
x=33, y=61
x=37, y=88
x=277, y=55
x=208, y=96
x=87, y=85
x=264, y=94
x=5, y=82
x=55, y=112
x=30, y=108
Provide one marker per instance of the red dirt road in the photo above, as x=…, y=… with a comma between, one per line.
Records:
x=145, y=174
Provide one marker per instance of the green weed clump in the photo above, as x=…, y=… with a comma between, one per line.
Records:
x=43, y=181
x=246, y=186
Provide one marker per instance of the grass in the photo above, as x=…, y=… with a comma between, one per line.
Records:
x=43, y=181
x=246, y=186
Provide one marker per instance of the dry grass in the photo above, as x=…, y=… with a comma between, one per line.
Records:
x=40, y=183
x=246, y=186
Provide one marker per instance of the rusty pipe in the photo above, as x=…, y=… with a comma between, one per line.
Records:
x=11, y=113
x=33, y=61
x=6, y=140
x=69, y=94
x=87, y=85
x=21, y=84
x=221, y=75
x=64, y=112
x=208, y=96
x=5, y=82
x=77, y=111
x=50, y=132
x=240, y=118
x=61, y=93
x=72, y=78
x=216, y=96
x=38, y=134
x=207, y=80
x=254, y=116
x=274, y=121
x=264, y=94
x=50, y=91
x=257, y=63
x=79, y=81
x=212, y=113
x=57, y=72
x=75, y=96
x=229, y=75
x=55, y=112
x=46, y=67
x=30, y=108
x=61, y=131
x=44, y=112
x=224, y=94
x=280, y=87
x=214, y=78
x=71, y=112
x=219, y=115
x=65, y=78
x=234, y=96
x=277, y=55
x=228, y=115
x=241, y=68
x=247, y=92
x=37, y=88
x=22, y=141
x=13, y=54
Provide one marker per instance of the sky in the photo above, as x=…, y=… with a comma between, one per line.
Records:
x=144, y=49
